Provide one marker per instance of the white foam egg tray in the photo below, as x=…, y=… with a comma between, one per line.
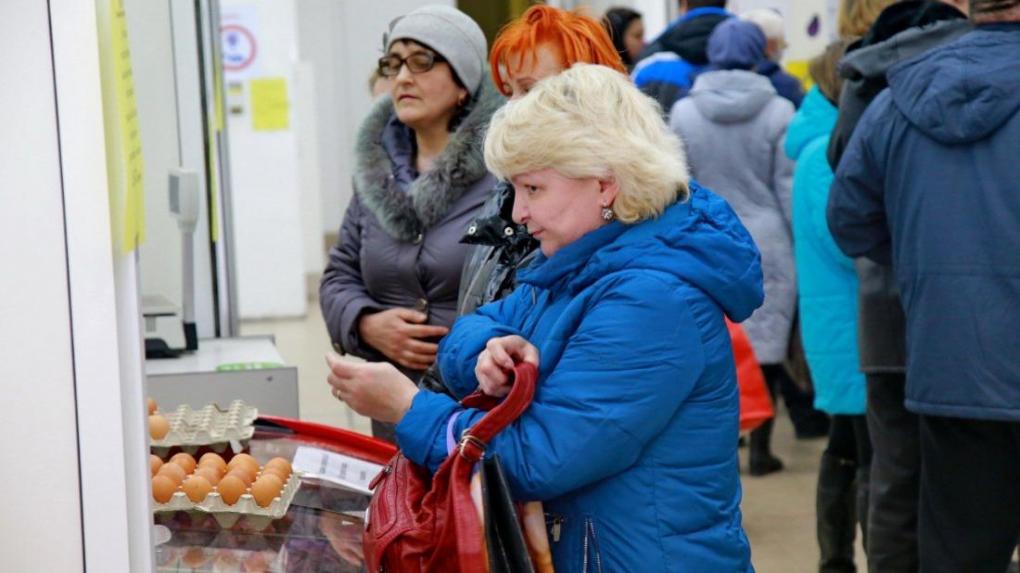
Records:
x=190, y=429
x=246, y=507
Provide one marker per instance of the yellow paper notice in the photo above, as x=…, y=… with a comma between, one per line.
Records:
x=799, y=70
x=125, y=165
x=269, y=104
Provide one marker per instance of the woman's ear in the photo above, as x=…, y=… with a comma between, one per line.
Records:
x=609, y=188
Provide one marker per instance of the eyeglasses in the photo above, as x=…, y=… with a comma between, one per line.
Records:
x=417, y=63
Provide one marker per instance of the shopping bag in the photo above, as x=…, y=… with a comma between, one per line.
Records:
x=755, y=402
x=421, y=523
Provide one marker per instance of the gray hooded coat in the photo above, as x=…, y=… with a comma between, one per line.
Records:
x=399, y=241
x=733, y=125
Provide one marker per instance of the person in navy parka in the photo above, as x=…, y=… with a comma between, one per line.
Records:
x=929, y=183
x=631, y=440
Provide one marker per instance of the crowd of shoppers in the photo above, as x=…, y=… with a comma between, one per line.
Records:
x=603, y=226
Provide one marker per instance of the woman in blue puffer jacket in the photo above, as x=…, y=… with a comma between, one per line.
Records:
x=630, y=441
x=827, y=291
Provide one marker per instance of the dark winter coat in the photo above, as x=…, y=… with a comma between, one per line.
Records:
x=786, y=85
x=500, y=248
x=904, y=30
x=667, y=67
x=399, y=241
x=928, y=183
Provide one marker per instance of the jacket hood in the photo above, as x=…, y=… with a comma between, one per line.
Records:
x=730, y=96
x=907, y=14
x=403, y=214
x=962, y=93
x=689, y=37
x=872, y=62
x=736, y=45
x=700, y=241
x=815, y=118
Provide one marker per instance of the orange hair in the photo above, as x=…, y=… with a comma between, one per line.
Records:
x=578, y=37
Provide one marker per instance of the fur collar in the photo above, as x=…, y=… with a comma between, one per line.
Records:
x=461, y=165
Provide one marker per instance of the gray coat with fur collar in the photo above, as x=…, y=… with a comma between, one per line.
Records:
x=399, y=240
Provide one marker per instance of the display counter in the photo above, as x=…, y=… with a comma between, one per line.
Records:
x=249, y=368
x=321, y=531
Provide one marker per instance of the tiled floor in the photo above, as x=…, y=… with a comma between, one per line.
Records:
x=778, y=509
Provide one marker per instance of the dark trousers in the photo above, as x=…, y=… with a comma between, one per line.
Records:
x=970, y=494
x=799, y=402
x=895, y=477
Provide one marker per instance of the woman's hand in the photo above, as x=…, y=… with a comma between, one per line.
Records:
x=497, y=361
x=400, y=334
x=374, y=389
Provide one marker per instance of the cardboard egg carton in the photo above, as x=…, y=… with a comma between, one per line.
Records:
x=211, y=426
x=245, y=507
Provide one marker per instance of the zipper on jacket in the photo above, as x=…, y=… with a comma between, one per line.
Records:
x=591, y=545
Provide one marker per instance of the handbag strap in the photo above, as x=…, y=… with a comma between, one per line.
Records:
x=477, y=437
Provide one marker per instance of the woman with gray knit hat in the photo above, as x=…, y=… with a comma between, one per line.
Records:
x=390, y=288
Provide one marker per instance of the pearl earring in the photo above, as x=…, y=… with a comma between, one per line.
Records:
x=608, y=214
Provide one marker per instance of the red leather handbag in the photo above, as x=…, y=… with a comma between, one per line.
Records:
x=755, y=403
x=422, y=523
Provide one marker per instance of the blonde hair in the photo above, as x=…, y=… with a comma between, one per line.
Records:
x=824, y=70
x=590, y=121
x=856, y=16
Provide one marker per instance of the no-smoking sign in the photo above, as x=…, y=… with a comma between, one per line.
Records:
x=239, y=47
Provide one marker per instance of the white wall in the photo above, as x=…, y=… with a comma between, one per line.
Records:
x=264, y=165
x=40, y=486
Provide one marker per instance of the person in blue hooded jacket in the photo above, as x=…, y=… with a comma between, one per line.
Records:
x=631, y=440
x=827, y=296
x=929, y=183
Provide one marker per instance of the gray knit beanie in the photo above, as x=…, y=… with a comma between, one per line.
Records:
x=451, y=33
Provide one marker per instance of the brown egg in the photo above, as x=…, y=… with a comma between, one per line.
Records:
x=275, y=471
x=173, y=471
x=151, y=405
x=195, y=557
x=211, y=474
x=196, y=487
x=154, y=463
x=242, y=474
x=163, y=488
x=281, y=464
x=159, y=427
x=265, y=489
x=231, y=489
x=184, y=460
x=243, y=460
x=213, y=460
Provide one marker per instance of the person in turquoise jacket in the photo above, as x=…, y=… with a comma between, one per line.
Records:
x=827, y=293
x=631, y=440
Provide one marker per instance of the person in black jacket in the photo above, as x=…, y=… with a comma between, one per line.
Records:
x=903, y=30
x=666, y=69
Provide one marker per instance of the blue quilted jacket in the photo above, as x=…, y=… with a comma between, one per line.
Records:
x=631, y=438
x=826, y=280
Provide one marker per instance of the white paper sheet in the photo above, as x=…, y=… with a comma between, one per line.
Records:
x=342, y=470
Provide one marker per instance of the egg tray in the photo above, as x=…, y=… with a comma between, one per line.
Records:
x=211, y=426
x=228, y=515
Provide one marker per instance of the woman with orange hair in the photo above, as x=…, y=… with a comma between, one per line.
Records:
x=543, y=42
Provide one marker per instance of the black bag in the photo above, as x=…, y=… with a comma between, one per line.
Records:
x=504, y=539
